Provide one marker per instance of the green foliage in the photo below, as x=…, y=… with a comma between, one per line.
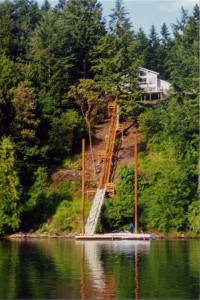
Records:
x=40, y=65
x=65, y=135
x=116, y=63
x=194, y=217
x=66, y=215
x=118, y=211
x=10, y=189
x=183, y=62
x=164, y=192
x=168, y=180
x=86, y=25
x=24, y=103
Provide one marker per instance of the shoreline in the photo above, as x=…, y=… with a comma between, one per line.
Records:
x=37, y=236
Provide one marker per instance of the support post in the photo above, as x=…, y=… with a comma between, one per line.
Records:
x=136, y=183
x=83, y=184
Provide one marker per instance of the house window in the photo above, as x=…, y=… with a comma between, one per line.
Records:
x=142, y=80
x=143, y=73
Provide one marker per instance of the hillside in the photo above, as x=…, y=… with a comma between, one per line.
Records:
x=125, y=155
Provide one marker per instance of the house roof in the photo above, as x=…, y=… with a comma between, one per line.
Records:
x=147, y=70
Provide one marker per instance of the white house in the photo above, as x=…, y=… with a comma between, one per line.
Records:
x=152, y=85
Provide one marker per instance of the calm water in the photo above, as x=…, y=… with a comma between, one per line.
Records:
x=62, y=269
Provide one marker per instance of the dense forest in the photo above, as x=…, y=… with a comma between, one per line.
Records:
x=57, y=63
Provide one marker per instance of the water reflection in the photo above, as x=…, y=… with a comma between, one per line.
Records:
x=93, y=254
x=69, y=269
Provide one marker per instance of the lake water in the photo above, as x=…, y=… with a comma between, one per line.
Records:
x=69, y=269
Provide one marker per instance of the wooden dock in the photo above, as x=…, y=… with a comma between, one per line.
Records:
x=115, y=236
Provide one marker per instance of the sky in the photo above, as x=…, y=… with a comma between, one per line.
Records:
x=144, y=13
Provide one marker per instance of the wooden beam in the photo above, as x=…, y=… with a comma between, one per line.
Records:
x=83, y=185
x=136, y=184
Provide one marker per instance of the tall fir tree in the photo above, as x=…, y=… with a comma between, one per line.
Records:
x=154, y=58
x=116, y=63
x=183, y=62
x=86, y=25
x=142, y=47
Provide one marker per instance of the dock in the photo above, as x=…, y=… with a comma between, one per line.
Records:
x=116, y=236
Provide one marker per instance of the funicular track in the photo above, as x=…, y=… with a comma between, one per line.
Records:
x=108, y=161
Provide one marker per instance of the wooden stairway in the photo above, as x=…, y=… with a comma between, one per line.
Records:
x=106, y=158
x=95, y=212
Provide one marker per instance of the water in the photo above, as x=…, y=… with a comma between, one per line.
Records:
x=69, y=269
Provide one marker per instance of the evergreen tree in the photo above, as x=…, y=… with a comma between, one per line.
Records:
x=61, y=5
x=178, y=28
x=183, y=63
x=142, y=47
x=52, y=55
x=86, y=25
x=26, y=17
x=154, y=58
x=164, y=49
x=7, y=29
x=115, y=61
x=10, y=188
x=165, y=36
x=25, y=131
x=46, y=6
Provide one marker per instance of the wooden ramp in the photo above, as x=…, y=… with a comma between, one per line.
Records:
x=106, y=160
x=116, y=236
x=94, y=212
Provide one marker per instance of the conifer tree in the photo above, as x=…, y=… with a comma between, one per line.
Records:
x=10, y=188
x=142, y=47
x=183, y=62
x=154, y=58
x=115, y=61
x=86, y=25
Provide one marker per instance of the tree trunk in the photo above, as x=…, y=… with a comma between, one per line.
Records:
x=91, y=149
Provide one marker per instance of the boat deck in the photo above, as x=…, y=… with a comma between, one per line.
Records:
x=115, y=236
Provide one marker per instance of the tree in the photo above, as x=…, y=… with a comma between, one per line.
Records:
x=165, y=47
x=142, y=47
x=25, y=104
x=46, y=6
x=116, y=63
x=65, y=135
x=154, y=59
x=178, y=28
x=86, y=25
x=26, y=17
x=89, y=99
x=52, y=56
x=7, y=29
x=118, y=212
x=165, y=36
x=168, y=174
x=10, y=189
x=164, y=192
x=25, y=130
x=183, y=63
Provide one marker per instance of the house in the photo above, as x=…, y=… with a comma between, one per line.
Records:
x=152, y=86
